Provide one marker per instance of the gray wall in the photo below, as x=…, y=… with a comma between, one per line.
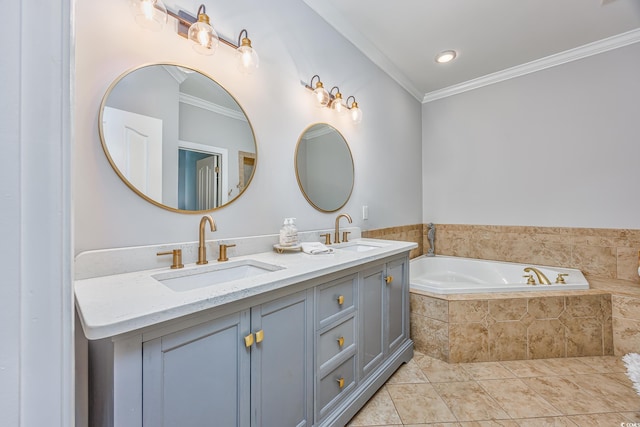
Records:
x=293, y=44
x=559, y=147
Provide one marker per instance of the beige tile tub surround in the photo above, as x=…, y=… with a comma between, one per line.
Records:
x=516, y=326
x=598, y=252
x=608, y=257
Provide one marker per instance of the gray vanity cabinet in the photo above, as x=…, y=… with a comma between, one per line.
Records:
x=308, y=355
x=384, y=308
x=248, y=368
x=372, y=292
x=282, y=363
x=336, y=342
x=396, y=304
x=198, y=376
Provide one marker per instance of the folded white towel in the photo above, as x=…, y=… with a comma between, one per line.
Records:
x=632, y=362
x=315, y=248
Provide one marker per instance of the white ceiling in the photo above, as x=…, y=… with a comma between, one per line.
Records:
x=494, y=39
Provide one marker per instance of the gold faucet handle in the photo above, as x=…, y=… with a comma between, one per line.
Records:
x=327, y=238
x=223, y=252
x=345, y=234
x=530, y=279
x=560, y=278
x=177, y=257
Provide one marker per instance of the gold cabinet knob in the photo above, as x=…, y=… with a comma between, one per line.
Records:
x=340, y=341
x=259, y=335
x=388, y=279
x=340, y=382
x=248, y=340
x=341, y=300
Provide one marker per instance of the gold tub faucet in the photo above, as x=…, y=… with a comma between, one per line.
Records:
x=337, y=230
x=542, y=279
x=202, y=249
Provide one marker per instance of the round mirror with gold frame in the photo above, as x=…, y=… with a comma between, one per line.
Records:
x=324, y=167
x=177, y=138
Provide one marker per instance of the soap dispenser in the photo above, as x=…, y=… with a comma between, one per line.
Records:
x=284, y=233
x=293, y=232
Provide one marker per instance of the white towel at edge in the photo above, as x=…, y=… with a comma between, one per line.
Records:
x=315, y=248
x=632, y=362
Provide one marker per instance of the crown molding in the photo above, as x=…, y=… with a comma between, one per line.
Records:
x=176, y=72
x=218, y=109
x=581, y=52
x=318, y=132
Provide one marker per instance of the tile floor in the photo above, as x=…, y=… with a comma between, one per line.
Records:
x=581, y=391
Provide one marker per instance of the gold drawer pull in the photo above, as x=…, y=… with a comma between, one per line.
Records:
x=388, y=279
x=260, y=335
x=340, y=382
x=341, y=300
x=248, y=340
x=341, y=341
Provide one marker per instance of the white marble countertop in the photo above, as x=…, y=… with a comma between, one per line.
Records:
x=111, y=305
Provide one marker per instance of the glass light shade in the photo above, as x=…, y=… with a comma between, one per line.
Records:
x=321, y=95
x=248, y=60
x=149, y=14
x=204, y=37
x=338, y=104
x=356, y=113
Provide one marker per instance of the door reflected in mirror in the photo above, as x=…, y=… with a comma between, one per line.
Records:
x=324, y=167
x=177, y=138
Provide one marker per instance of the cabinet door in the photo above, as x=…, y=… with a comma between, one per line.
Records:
x=198, y=376
x=282, y=363
x=372, y=290
x=397, y=304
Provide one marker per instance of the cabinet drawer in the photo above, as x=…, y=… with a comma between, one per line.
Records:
x=336, y=384
x=336, y=340
x=336, y=298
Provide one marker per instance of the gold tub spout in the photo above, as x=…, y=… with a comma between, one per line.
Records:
x=202, y=249
x=542, y=279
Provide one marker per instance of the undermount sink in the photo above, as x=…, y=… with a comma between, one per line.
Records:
x=201, y=277
x=358, y=246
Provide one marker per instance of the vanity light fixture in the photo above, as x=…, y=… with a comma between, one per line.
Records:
x=152, y=15
x=354, y=110
x=201, y=33
x=321, y=93
x=149, y=14
x=337, y=104
x=446, y=56
x=334, y=102
x=248, y=60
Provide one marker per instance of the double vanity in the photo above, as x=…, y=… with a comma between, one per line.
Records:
x=264, y=339
x=260, y=337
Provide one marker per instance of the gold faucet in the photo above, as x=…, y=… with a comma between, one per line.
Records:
x=337, y=231
x=202, y=249
x=223, y=252
x=542, y=279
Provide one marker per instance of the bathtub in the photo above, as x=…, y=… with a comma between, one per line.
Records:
x=455, y=275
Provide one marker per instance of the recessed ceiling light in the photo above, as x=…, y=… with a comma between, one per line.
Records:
x=446, y=56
